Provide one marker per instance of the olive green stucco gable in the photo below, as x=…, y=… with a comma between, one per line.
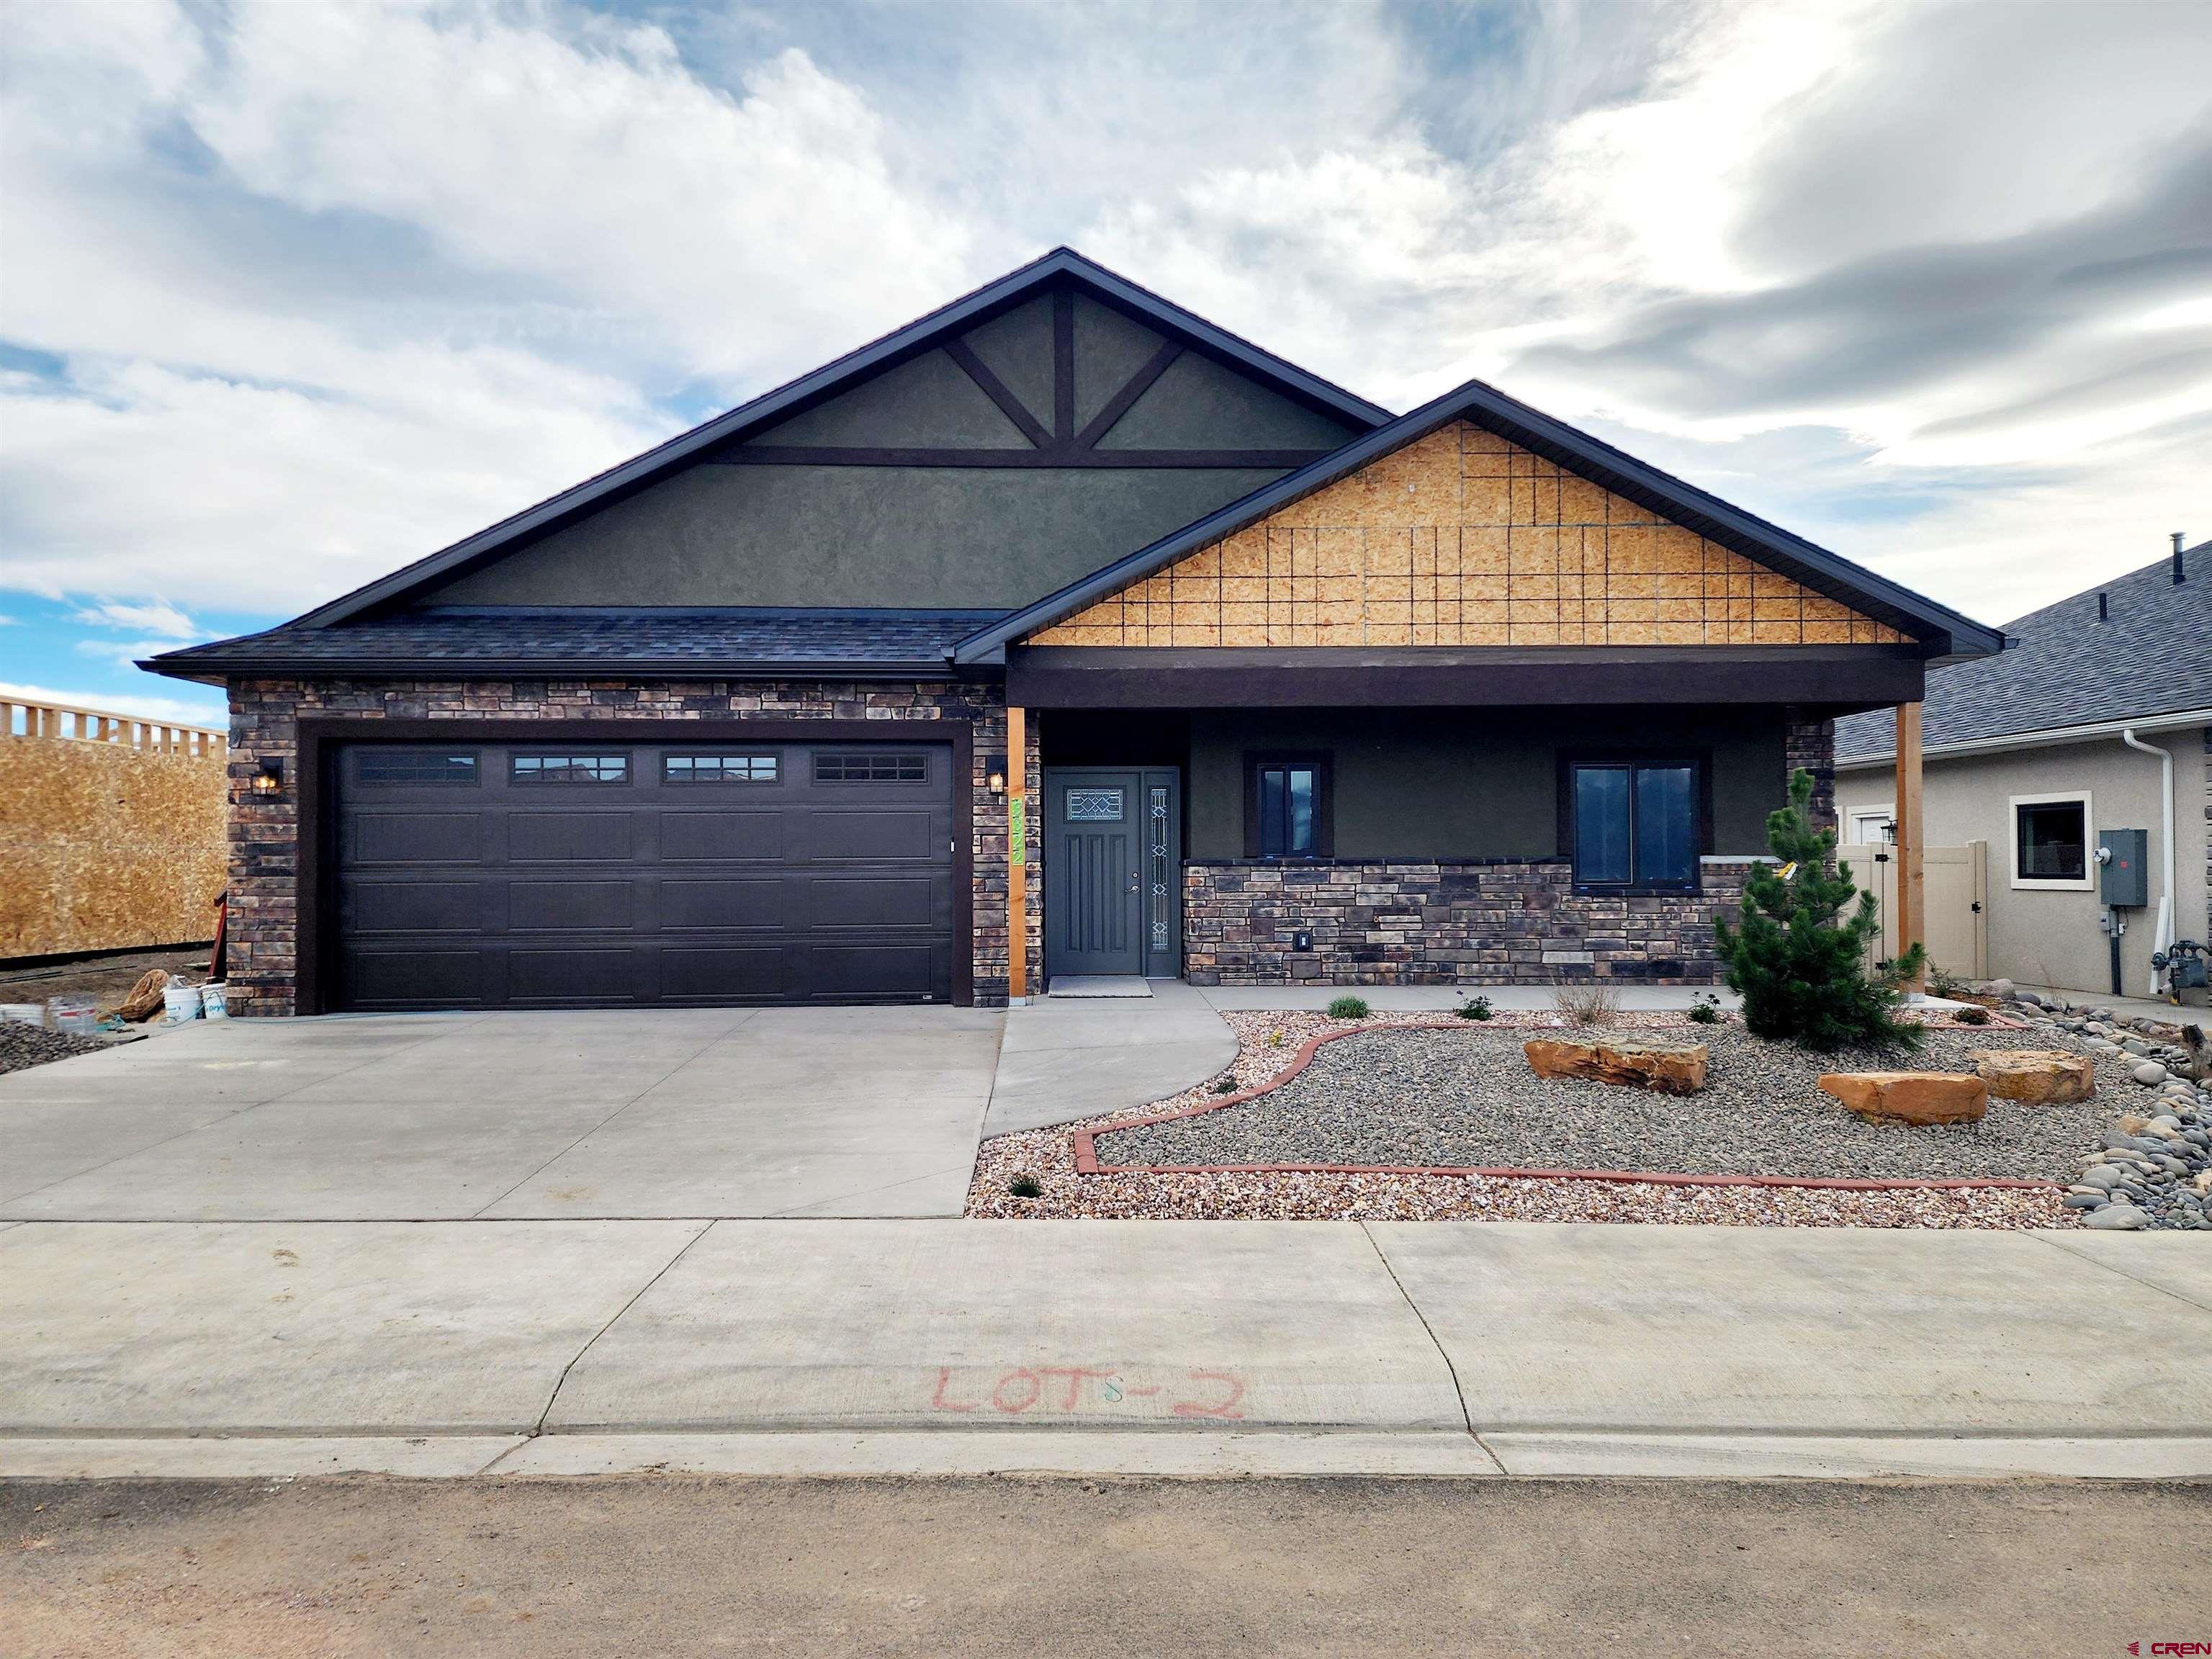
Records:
x=961, y=475
x=852, y=537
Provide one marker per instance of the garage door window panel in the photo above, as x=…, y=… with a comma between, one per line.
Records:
x=417, y=768
x=719, y=768
x=595, y=769
x=891, y=768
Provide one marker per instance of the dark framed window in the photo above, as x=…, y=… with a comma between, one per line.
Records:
x=1636, y=824
x=1287, y=807
x=569, y=769
x=717, y=769
x=909, y=766
x=418, y=766
x=2050, y=841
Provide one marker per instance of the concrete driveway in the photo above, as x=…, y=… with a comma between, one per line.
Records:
x=667, y=1113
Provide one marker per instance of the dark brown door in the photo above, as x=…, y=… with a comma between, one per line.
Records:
x=601, y=873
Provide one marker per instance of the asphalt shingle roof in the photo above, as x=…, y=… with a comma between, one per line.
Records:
x=2152, y=655
x=628, y=640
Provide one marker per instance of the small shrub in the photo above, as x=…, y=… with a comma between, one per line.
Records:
x=1224, y=1085
x=1705, y=1008
x=1022, y=1184
x=1796, y=957
x=1347, y=1008
x=1474, y=1008
x=1274, y=1039
x=1587, y=1005
x=1970, y=1015
x=1943, y=983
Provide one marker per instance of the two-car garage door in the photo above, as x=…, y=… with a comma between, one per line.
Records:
x=567, y=874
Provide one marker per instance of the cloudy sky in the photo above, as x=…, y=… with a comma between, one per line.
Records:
x=290, y=295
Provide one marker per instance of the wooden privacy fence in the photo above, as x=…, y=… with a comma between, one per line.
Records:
x=1957, y=881
x=111, y=829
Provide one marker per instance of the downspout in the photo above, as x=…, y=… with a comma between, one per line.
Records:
x=2162, y=937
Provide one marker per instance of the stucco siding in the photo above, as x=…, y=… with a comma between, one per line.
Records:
x=1448, y=784
x=922, y=537
x=2039, y=936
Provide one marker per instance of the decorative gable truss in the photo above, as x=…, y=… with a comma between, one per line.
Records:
x=1464, y=538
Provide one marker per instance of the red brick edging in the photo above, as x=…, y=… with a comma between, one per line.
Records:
x=1086, y=1147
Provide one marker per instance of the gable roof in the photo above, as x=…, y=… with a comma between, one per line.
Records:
x=1941, y=633
x=2150, y=655
x=732, y=643
x=1062, y=266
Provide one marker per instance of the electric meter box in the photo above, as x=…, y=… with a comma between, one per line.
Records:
x=2123, y=875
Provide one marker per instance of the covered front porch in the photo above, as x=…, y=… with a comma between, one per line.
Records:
x=1371, y=833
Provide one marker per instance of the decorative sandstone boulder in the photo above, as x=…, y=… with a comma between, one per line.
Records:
x=1916, y=1097
x=1671, y=1068
x=2041, y=1076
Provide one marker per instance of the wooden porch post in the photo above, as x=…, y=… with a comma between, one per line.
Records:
x=1018, y=873
x=1911, y=878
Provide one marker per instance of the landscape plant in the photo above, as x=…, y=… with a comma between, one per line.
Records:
x=1587, y=1005
x=1705, y=1008
x=1347, y=1008
x=1476, y=1007
x=1798, y=956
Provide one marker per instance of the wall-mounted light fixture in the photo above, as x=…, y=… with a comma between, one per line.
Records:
x=269, y=778
x=995, y=769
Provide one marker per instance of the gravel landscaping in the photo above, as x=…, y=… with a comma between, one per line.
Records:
x=1466, y=1099
x=22, y=1046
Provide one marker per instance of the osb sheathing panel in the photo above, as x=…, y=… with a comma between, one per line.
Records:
x=103, y=846
x=1463, y=537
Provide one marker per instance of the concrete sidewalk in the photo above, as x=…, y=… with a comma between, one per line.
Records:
x=1172, y=1347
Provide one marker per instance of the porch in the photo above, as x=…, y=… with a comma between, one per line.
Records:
x=1401, y=845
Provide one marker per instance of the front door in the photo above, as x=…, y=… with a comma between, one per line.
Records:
x=1113, y=874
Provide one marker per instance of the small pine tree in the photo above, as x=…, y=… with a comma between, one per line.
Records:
x=1797, y=962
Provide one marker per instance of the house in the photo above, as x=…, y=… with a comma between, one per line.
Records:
x=1293, y=690
x=2096, y=719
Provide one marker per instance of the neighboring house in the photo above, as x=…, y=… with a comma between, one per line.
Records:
x=1300, y=692
x=110, y=831
x=2028, y=753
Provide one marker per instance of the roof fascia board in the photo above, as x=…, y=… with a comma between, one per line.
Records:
x=500, y=668
x=1946, y=633
x=909, y=340
x=2050, y=737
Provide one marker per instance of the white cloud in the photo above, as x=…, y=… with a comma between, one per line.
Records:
x=164, y=620
x=596, y=162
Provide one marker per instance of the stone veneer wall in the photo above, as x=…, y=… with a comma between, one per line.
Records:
x=1487, y=923
x=1811, y=744
x=265, y=831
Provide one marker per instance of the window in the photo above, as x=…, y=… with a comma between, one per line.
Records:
x=1093, y=806
x=894, y=768
x=2050, y=842
x=1636, y=824
x=416, y=766
x=717, y=769
x=570, y=768
x=1873, y=826
x=1286, y=807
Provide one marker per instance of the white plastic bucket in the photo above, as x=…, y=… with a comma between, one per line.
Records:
x=215, y=1003
x=180, y=1003
x=78, y=1015
x=24, y=1014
